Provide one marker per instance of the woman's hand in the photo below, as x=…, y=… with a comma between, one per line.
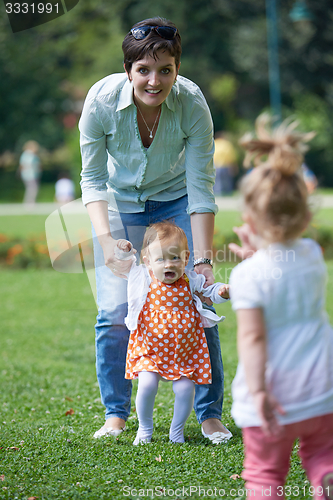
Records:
x=207, y=271
x=119, y=267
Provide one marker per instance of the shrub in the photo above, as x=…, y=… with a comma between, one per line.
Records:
x=32, y=252
x=19, y=253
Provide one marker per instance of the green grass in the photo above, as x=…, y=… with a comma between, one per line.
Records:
x=47, y=367
x=323, y=218
x=27, y=225
x=22, y=225
x=226, y=220
x=325, y=191
x=13, y=191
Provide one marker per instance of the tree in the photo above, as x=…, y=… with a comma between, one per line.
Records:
x=43, y=70
x=37, y=64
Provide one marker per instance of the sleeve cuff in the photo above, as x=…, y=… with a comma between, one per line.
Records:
x=198, y=208
x=94, y=195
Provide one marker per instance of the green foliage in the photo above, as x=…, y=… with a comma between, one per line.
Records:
x=72, y=141
x=12, y=188
x=311, y=111
x=313, y=114
x=36, y=65
x=45, y=72
x=31, y=87
x=223, y=88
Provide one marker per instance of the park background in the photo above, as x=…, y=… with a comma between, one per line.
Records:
x=49, y=401
x=45, y=73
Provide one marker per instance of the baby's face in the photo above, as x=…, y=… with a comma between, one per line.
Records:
x=167, y=260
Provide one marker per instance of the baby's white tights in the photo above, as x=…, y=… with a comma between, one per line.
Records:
x=145, y=399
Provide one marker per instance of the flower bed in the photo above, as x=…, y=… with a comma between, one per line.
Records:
x=19, y=253
x=23, y=253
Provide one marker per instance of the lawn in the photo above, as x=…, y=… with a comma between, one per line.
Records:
x=50, y=403
x=14, y=191
x=23, y=225
x=27, y=225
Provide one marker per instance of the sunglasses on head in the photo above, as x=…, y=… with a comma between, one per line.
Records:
x=142, y=32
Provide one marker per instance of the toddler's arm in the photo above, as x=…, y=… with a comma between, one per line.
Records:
x=248, y=242
x=217, y=293
x=251, y=334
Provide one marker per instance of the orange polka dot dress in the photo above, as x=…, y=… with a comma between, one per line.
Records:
x=169, y=339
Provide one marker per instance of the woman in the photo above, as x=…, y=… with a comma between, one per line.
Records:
x=30, y=170
x=147, y=148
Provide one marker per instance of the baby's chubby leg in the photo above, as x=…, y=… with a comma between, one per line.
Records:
x=145, y=399
x=184, y=398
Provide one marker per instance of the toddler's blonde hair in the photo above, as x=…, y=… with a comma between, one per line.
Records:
x=275, y=194
x=165, y=231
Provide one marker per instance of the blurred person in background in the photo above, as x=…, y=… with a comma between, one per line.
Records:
x=147, y=156
x=30, y=171
x=64, y=189
x=225, y=162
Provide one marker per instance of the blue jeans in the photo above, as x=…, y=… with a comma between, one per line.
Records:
x=111, y=332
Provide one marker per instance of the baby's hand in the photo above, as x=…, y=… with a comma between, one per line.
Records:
x=224, y=292
x=248, y=247
x=267, y=408
x=124, y=245
x=124, y=250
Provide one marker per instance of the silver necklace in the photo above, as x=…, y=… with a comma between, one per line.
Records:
x=149, y=130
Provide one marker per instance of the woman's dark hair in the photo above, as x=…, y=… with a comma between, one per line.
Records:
x=134, y=50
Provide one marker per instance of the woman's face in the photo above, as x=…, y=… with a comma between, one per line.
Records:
x=153, y=79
